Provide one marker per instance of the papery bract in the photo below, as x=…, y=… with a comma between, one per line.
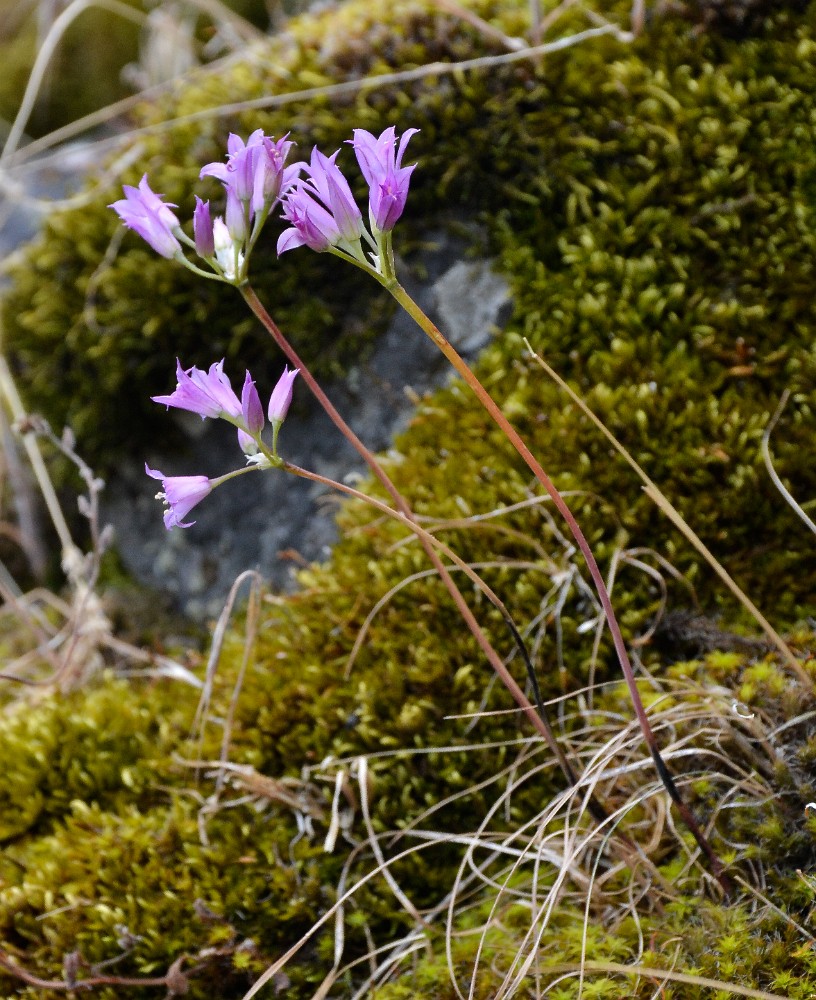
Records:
x=230, y=260
x=387, y=179
x=281, y=396
x=143, y=211
x=207, y=393
x=180, y=494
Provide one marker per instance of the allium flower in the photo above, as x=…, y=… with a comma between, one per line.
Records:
x=251, y=408
x=282, y=396
x=252, y=415
x=206, y=393
x=203, y=229
x=382, y=168
x=312, y=225
x=255, y=170
x=181, y=494
x=326, y=179
x=273, y=179
x=143, y=211
x=321, y=209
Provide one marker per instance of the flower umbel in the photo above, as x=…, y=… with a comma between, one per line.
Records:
x=255, y=177
x=209, y=394
x=324, y=215
x=255, y=170
x=180, y=495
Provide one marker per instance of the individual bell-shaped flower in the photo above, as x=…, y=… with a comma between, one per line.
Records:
x=381, y=165
x=207, y=393
x=203, y=229
x=143, y=211
x=180, y=495
x=252, y=415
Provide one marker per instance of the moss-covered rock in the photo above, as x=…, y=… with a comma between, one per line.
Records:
x=652, y=205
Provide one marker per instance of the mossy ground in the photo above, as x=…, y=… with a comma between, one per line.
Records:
x=652, y=205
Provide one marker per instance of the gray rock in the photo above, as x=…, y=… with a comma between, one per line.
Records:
x=270, y=521
x=471, y=300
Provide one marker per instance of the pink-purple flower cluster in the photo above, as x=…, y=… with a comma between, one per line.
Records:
x=321, y=207
x=210, y=394
x=316, y=201
x=255, y=176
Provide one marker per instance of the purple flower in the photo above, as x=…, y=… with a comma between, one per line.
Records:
x=312, y=225
x=181, y=494
x=206, y=393
x=251, y=409
x=321, y=209
x=252, y=415
x=143, y=211
x=203, y=229
x=255, y=170
x=235, y=217
x=272, y=177
x=382, y=168
x=326, y=179
x=282, y=396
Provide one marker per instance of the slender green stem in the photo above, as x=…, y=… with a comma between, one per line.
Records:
x=512, y=435
x=232, y=475
x=539, y=720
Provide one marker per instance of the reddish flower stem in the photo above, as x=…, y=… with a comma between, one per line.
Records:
x=538, y=718
x=487, y=401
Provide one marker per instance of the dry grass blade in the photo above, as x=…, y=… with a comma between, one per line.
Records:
x=665, y=505
x=766, y=455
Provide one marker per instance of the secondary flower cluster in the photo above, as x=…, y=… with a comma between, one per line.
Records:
x=318, y=204
x=210, y=394
x=322, y=210
x=316, y=201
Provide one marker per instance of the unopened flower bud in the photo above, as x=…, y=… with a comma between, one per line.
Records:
x=282, y=396
x=203, y=229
